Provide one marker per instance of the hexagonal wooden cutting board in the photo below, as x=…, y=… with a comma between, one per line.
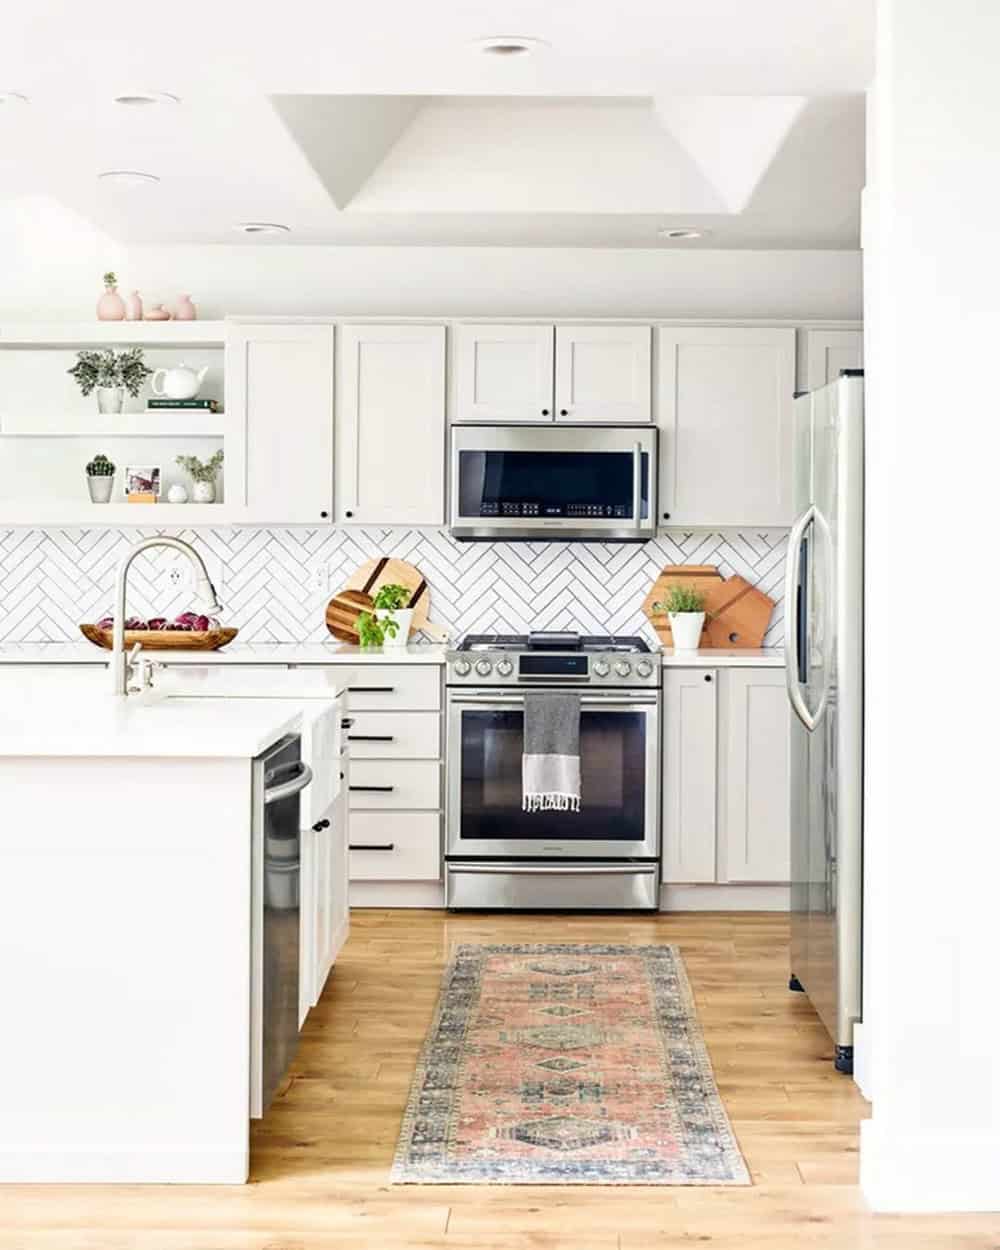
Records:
x=737, y=614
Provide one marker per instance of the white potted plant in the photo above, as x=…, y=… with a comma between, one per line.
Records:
x=203, y=474
x=685, y=607
x=112, y=374
x=392, y=614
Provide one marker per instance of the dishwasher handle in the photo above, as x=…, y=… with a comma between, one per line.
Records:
x=301, y=776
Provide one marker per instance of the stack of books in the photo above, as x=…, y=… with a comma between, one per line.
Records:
x=182, y=405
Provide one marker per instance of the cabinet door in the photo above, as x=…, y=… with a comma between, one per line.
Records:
x=755, y=791
x=307, y=921
x=726, y=426
x=279, y=393
x=827, y=352
x=391, y=425
x=690, y=774
x=604, y=373
x=502, y=372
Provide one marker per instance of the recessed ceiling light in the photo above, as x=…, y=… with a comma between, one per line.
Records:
x=510, y=45
x=261, y=227
x=682, y=232
x=12, y=97
x=128, y=177
x=140, y=98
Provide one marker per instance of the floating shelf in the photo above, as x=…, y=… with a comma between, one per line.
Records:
x=81, y=514
x=190, y=423
x=50, y=334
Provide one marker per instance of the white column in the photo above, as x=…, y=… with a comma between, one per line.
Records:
x=932, y=919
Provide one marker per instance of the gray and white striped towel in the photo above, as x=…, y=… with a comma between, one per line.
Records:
x=550, y=766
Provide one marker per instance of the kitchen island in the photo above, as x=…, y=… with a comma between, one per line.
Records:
x=126, y=934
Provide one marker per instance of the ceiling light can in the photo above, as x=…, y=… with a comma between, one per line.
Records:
x=138, y=99
x=510, y=46
x=682, y=232
x=128, y=177
x=261, y=227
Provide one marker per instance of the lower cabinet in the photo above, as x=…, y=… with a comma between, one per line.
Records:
x=725, y=776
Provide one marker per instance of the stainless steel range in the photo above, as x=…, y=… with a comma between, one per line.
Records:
x=607, y=855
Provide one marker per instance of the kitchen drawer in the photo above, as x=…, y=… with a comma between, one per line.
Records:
x=394, y=735
x=387, y=687
x=381, y=784
x=409, y=842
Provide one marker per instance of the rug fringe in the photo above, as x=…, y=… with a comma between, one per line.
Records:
x=554, y=801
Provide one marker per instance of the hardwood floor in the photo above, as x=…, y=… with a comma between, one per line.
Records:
x=321, y=1157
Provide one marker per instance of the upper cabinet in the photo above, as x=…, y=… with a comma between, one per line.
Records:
x=825, y=353
x=596, y=373
x=279, y=394
x=502, y=372
x=391, y=425
x=725, y=404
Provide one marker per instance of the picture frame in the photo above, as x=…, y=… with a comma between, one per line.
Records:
x=142, y=482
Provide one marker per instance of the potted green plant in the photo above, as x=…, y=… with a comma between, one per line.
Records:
x=100, y=478
x=112, y=374
x=370, y=631
x=392, y=613
x=203, y=474
x=685, y=606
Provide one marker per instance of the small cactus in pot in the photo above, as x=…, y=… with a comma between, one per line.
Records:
x=100, y=478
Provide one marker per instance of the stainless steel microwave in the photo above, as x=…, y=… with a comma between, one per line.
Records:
x=558, y=482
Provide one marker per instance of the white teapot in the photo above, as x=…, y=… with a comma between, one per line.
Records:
x=180, y=382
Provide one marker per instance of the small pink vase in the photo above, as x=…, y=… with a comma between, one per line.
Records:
x=184, y=310
x=157, y=313
x=133, y=307
x=111, y=306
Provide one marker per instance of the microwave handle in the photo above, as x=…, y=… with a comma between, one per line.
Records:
x=637, y=485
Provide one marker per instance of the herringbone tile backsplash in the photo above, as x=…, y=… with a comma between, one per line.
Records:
x=275, y=583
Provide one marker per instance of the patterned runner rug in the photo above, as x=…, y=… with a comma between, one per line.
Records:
x=566, y=1065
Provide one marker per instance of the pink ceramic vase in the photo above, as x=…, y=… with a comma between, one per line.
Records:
x=184, y=310
x=133, y=307
x=111, y=306
x=157, y=313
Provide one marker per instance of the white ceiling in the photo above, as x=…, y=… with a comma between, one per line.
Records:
x=383, y=124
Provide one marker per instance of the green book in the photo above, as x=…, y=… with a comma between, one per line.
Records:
x=206, y=405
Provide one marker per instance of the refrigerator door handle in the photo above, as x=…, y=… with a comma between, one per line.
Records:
x=792, y=566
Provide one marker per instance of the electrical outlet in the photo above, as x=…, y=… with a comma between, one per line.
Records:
x=319, y=577
x=179, y=575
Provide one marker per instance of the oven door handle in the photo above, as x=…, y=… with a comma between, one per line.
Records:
x=609, y=702
x=545, y=870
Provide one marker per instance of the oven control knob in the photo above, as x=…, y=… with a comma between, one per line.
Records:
x=644, y=668
x=462, y=668
x=505, y=668
x=601, y=668
x=623, y=668
x=484, y=668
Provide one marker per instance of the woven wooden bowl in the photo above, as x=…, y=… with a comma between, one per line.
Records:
x=163, y=639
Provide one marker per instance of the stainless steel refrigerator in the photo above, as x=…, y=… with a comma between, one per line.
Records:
x=823, y=655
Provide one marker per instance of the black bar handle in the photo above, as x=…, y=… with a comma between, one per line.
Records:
x=373, y=789
x=370, y=738
x=371, y=689
x=371, y=846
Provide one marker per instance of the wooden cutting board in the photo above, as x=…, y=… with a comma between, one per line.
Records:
x=737, y=614
x=358, y=593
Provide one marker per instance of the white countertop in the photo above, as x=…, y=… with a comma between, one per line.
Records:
x=83, y=724
x=718, y=657
x=236, y=653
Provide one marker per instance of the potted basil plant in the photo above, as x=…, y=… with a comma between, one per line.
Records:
x=392, y=614
x=685, y=607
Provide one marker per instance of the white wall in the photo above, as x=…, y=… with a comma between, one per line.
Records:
x=52, y=263
x=932, y=856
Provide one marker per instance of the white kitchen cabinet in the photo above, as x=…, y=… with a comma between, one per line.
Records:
x=725, y=403
x=825, y=353
x=754, y=792
x=502, y=372
x=391, y=424
x=603, y=373
x=279, y=397
x=690, y=774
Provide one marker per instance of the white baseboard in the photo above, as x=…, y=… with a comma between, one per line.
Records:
x=397, y=894
x=903, y=1173
x=724, y=897
x=126, y=1165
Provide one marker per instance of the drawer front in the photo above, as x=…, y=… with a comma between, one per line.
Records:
x=388, y=687
x=410, y=784
x=394, y=735
x=409, y=846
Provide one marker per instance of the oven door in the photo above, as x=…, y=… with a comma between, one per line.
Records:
x=620, y=800
x=553, y=482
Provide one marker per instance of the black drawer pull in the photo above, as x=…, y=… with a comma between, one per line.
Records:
x=320, y=825
x=373, y=789
x=371, y=846
x=347, y=722
x=371, y=689
x=370, y=738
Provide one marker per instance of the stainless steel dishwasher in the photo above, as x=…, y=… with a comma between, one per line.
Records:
x=279, y=777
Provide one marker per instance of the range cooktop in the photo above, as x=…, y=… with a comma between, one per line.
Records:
x=553, y=641
x=553, y=659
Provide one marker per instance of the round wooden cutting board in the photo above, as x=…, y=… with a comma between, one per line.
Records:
x=358, y=593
